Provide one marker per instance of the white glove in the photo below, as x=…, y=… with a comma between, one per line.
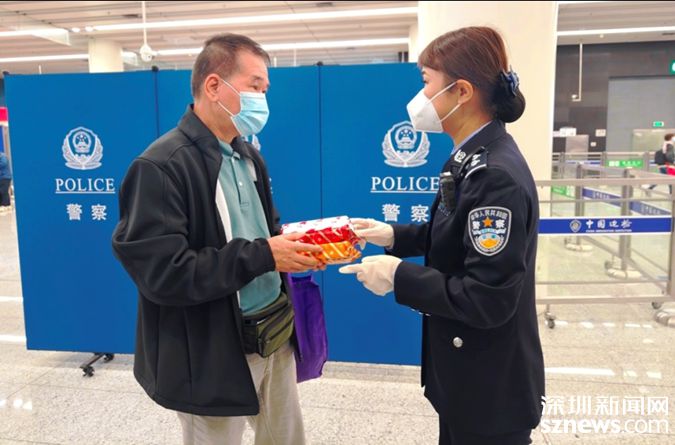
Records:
x=375, y=272
x=375, y=232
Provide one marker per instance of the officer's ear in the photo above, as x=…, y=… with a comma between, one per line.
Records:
x=465, y=91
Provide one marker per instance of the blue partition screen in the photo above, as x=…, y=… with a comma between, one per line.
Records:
x=73, y=137
x=337, y=143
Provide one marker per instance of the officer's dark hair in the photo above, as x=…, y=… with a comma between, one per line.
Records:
x=477, y=54
x=219, y=56
x=668, y=136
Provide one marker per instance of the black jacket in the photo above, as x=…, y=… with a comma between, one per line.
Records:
x=171, y=241
x=482, y=362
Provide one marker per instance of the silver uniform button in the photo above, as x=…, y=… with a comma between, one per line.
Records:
x=457, y=342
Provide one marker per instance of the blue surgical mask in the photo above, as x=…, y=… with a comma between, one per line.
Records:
x=253, y=113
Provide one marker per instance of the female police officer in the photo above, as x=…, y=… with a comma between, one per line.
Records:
x=482, y=364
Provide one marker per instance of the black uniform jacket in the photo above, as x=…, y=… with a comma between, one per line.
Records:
x=482, y=363
x=189, y=353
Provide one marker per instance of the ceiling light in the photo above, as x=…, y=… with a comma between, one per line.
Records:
x=590, y=32
x=53, y=58
x=40, y=32
x=76, y=29
x=336, y=44
x=300, y=46
x=89, y=28
x=178, y=52
x=274, y=18
x=44, y=58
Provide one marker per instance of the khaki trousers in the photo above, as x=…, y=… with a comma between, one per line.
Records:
x=280, y=419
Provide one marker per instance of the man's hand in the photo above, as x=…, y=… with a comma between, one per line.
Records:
x=288, y=257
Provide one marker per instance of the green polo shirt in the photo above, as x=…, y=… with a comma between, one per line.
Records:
x=248, y=221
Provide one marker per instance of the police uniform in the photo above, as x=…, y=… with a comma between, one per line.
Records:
x=482, y=363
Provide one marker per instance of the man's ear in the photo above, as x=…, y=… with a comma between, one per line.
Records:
x=210, y=87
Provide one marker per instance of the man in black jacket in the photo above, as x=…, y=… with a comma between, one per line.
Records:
x=196, y=235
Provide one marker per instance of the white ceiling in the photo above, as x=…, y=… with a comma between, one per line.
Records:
x=71, y=14
x=616, y=14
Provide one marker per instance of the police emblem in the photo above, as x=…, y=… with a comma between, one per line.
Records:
x=575, y=226
x=489, y=228
x=82, y=149
x=460, y=156
x=412, y=147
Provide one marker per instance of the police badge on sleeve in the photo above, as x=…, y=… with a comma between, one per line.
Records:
x=489, y=228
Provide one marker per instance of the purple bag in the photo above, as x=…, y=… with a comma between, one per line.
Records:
x=310, y=326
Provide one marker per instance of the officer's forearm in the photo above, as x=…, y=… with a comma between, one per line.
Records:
x=464, y=299
x=409, y=240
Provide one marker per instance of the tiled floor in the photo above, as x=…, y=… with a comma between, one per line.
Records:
x=595, y=351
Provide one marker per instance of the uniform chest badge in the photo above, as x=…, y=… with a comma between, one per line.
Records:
x=489, y=228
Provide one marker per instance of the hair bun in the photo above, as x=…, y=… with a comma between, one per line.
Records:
x=508, y=100
x=510, y=81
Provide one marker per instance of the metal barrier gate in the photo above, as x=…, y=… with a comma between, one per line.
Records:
x=606, y=236
x=615, y=159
